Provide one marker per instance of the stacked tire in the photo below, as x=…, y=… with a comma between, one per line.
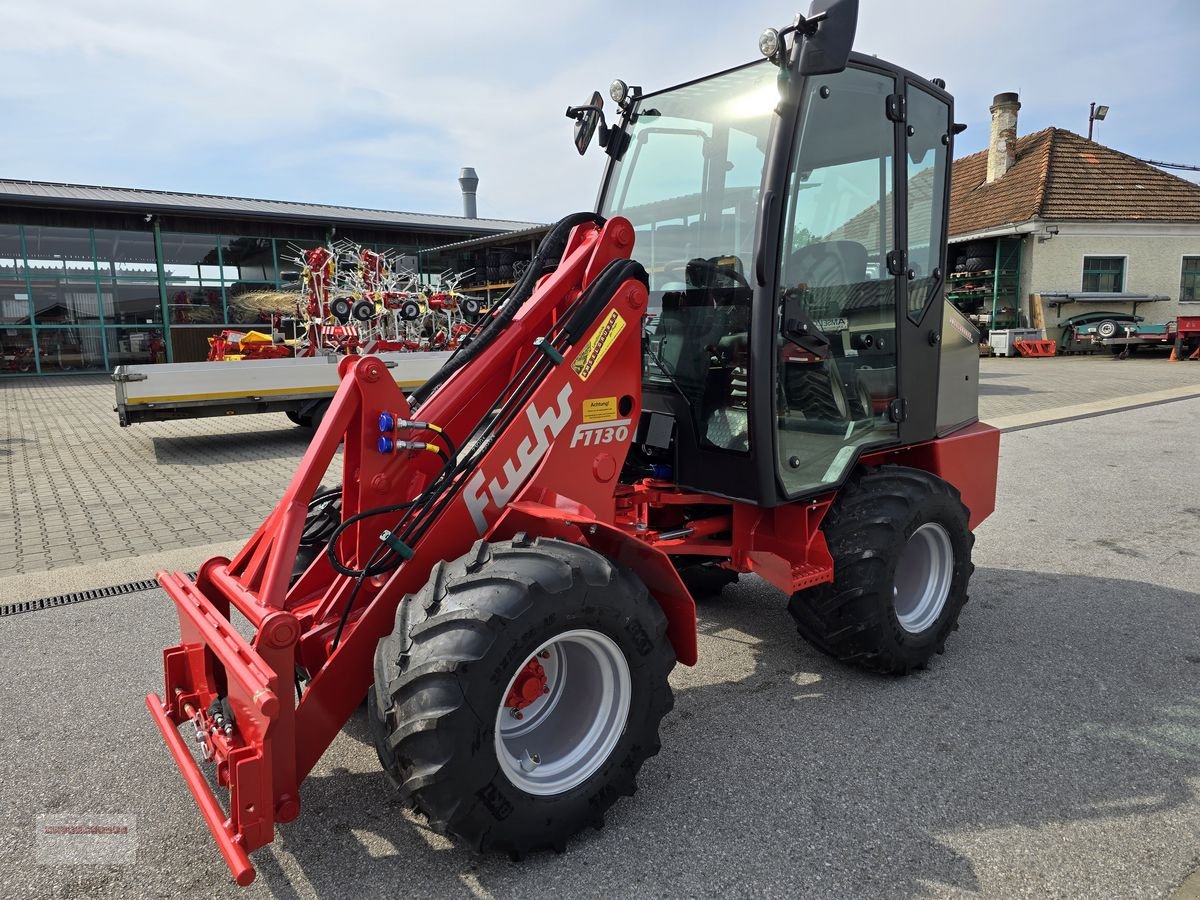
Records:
x=975, y=256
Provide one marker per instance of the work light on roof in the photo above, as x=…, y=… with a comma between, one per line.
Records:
x=618, y=90
x=769, y=43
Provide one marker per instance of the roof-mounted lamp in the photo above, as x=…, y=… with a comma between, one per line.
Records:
x=1095, y=114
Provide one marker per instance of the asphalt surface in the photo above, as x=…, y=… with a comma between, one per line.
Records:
x=1054, y=750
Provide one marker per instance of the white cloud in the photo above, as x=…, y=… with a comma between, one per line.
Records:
x=379, y=104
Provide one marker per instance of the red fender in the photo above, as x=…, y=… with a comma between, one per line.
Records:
x=570, y=522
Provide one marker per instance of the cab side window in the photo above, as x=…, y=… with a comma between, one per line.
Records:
x=837, y=301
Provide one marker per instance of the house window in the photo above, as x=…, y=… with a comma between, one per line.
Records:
x=1189, y=280
x=1104, y=273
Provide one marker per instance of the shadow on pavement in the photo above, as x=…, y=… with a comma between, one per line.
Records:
x=1063, y=699
x=1005, y=389
x=220, y=449
x=7, y=443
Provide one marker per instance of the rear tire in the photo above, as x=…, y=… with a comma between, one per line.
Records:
x=707, y=581
x=813, y=392
x=445, y=677
x=901, y=548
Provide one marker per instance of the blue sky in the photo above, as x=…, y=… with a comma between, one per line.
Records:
x=378, y=104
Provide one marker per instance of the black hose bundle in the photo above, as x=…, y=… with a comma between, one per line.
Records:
x=419, y=514
x=551, y=248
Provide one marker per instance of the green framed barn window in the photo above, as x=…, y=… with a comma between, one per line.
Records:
x=12, y=257
x=16, y=351
x=14, y=300
x=135, y=346
x=1189, y=279
x=126, y=254
x=1104, y=273
x=128, y=302
x=70, y=349
x=247, y=259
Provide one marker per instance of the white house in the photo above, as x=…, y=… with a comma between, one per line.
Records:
x=1053, y=212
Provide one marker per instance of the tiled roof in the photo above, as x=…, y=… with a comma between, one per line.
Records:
x=1059, y=175
x=75, y=196
x=864, y=227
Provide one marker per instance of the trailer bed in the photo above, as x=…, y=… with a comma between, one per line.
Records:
x=156, y=393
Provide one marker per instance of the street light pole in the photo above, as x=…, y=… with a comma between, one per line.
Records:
x=1091, y=119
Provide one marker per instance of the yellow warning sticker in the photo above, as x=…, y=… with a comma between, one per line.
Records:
x=600, y=409
x=597, y=345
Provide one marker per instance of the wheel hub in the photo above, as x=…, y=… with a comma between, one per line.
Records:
x=924, y=574
x=528, y=686
x=563, y=712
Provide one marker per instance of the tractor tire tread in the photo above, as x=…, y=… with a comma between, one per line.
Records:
x=473, y=609
x=852, y=619
x=809, y=391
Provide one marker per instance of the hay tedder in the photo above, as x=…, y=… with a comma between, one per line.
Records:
x=741, y=362
x=351, y=300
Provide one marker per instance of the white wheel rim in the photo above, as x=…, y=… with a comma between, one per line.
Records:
x=565, y=735
x=923, y=578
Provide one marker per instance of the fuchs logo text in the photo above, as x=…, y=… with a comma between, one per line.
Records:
x=545, y=426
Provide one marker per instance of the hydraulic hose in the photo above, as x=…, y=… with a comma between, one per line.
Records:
x=551, y=248
x=418, y=514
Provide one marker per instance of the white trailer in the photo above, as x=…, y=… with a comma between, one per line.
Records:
x=299, y=388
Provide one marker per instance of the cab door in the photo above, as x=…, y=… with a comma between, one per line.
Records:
x=841, y=292
x=925, y=124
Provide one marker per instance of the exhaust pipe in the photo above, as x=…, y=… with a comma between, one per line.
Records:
x=468, y=181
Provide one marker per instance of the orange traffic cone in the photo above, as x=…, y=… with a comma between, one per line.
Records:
x=1195, y=354
x=1173, y=357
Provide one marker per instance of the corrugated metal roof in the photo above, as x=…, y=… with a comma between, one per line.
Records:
x=85, y=196
x=532, y=232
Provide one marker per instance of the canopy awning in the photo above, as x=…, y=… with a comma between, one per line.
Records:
x=1059, y=299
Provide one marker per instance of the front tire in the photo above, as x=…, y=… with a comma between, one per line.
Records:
x=520, y=692
x=901, y=548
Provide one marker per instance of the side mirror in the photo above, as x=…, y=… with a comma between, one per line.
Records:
x=587, y=118
x=826, y=47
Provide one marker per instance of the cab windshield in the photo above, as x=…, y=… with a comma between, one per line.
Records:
x=690, y=182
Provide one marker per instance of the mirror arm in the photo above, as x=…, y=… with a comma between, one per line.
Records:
x=807, y=26
x=577, y=113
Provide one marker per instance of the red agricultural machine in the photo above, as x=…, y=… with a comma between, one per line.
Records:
x=741, y=364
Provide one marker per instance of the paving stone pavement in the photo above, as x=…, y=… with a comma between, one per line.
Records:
x=80, y=489
x=1014, y=386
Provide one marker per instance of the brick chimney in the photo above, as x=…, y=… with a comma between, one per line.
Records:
x=1002, y=149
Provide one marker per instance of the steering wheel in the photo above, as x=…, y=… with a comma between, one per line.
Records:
x=714, y=271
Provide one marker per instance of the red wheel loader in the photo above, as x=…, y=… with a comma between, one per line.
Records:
x=740, y=362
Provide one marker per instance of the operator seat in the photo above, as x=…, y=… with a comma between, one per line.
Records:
x=827, y=264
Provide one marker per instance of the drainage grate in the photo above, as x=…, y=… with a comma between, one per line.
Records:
x=116, y=590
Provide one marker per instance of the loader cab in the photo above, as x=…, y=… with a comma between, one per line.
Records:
x=793, y=228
